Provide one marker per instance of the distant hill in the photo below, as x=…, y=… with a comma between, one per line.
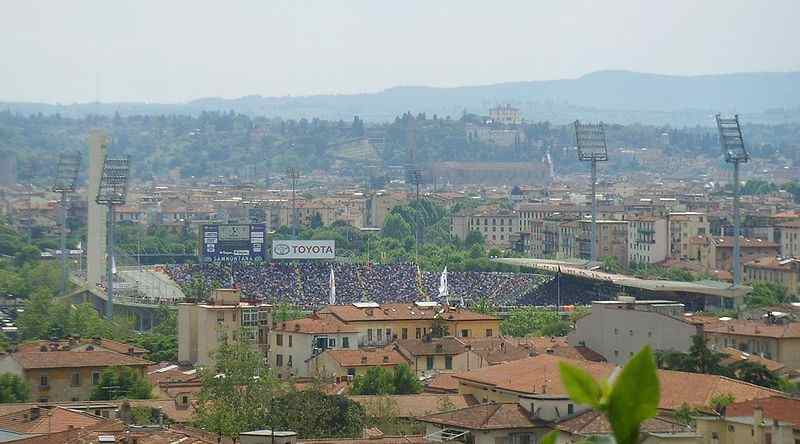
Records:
x=613, y=96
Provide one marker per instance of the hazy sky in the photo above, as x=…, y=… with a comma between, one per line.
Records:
x=172, y=51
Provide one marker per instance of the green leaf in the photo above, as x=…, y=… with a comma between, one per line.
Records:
x=580, y=385
x=634, y=397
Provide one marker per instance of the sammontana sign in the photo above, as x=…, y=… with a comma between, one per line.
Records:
x=303, y=249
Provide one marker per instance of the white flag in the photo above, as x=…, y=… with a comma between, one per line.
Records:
x=332, y=298
x=113, y=265
x=443, y=291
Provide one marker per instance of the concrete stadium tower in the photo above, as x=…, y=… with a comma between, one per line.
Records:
x=96, y=238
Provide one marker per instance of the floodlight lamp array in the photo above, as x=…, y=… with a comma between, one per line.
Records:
x=114, y=182
x=731, y=140
x=69, y=165
x=591, y=142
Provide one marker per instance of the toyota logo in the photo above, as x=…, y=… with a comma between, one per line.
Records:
x=281, y=249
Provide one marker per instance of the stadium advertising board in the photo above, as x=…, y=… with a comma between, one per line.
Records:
x=303, y=249
x=229, y=243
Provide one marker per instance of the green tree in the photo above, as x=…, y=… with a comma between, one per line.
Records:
x=316, y=221
x=703, y=359
x=474, y=237
x=121, y=383
x=376, y=381
x=313, y=414
x=528, y=321
x=13, y=388
x=162, y=340
x=396, y=228
x=238, y=394
x=755, y=373
x=611, y=264
x=405, y=381
x=27, y=254
x=766, y=293
x=558, y=328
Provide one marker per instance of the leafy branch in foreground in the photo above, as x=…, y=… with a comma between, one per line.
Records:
x=626, y=401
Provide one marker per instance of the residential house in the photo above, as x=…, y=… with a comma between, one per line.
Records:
x=348, y=363
x=295, y=344
x=789, y=235
x=682, y=227
x=768, y=420
x=716, y=252
x=66, y=375
x=775, y=339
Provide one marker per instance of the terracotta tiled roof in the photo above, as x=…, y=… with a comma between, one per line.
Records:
x=485, y=417
x=400, y=311
x=371, y=358
x=592, y=422
x=70, y=359
x=65, y=344
x=737, y=356
x=443, y=383
x=409, y=406
x=774, y=263
x=46, y=420
x=312, y=325
x=558, y=346
x=412, y=439
x=441, y=346
x=774, y=407
x=743, y=327
x=540, y=375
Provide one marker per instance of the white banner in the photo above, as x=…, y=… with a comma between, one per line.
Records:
x=303, y=249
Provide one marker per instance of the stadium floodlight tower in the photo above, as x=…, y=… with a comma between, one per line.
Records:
x=69, y=165
x=732, y=143
x=293, y=174
x=591, y=142
x=113, y=190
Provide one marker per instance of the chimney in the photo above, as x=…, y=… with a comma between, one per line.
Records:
x=363, y=359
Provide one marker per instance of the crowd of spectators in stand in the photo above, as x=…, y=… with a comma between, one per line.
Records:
x=306, y=284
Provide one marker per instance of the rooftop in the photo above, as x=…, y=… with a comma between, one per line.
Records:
x=540, y=375
x=314, y=325
x=370, y=358
x=70, y=359
x=494, y=416
x=774, y=407
x=401, y=311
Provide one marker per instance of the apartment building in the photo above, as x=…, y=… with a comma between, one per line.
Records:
x=295, y=344
x=619, y=329
x=716, y=252
x=789, y=235
x=682, y=227
x=612, y=239
x=203, y=327
x=505, y=114
x=781, y=271
x=379, y=324
x=500, y=227
x=648, y=239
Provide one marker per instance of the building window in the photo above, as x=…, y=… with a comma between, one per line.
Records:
x=369, y=334
x=220, y=316
x=332, y=343
x=278, y=360
x=616, y=353
x=429, y=363
x=76, y=379
x=419, y=333
x=630, y=332
x=289, y=361
x=351, y=372
x=448, y=362
x=345, y=342
x=95, y=378
x=279, y=340
x=616, y=331
x=380, y=335
x=290, y=340
x=570, y=409
x=388, y=334
x=488, y=332
x=404, y=333
x=43, y=382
